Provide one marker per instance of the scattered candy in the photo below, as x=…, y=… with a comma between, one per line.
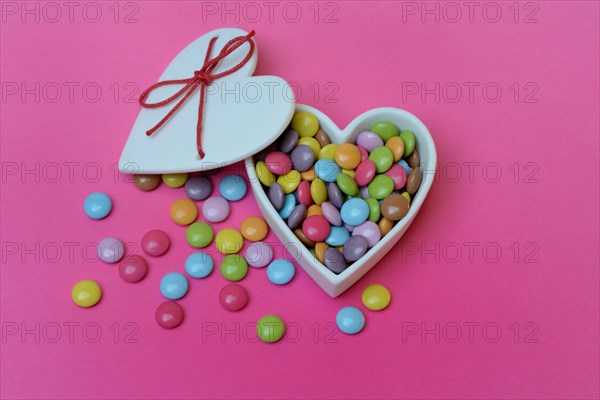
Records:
x=258, y=254
x=146, y=182
x=280, y=271
x=376, y=297
x=199, y=265
x=110, y=250
x=229, y=241
x=155, y=243
x=133, y=268
x=174, y=285
x=215, y=209
x=350, y=320
x=233, y=297
x=175, y=180
x=270, y=328
x=234, y=267
x=199, y=234
x=97, y=205
x=184, y=211
x=86, y=293
x=233, y=187
x=254, y=228
x=169, y=315
x=198, y=187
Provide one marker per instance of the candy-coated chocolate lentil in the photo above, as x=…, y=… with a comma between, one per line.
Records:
x=303, y=192
x=288, y=140
x=331, y=214
x=383, y=158
x=374, y=209
x=414, y=160
x=305, y=123
x=297, y=216
x=146, y=182
x=355, y=211
x=305, y=241
x=364, y=154
x=175, y=180
x=394, y=207
x=280, y=271
x=169, y=314
x=364, y=192
x=318, y=191
x=369, y=140
x=347, y=156
x=347, y=185
x=234, y=267
x=133, y=268
x=312, y=143
x=233, y=187
x=335, y=195
x=199, y=265
x=380, y=187
x=355, y=247
x=320, y=248
x=370, y=231
x=289, y=202
x=258, y=254
x=278, y=163
x=86, y=293
x=349, y=228
x=276, y=195
x=327, y=170
x=334, y=260
x=385, y=129
x=174, y=285
x=199, y=234
x=309, y=175
x=215, y=209
x=265, y=176
x=398, y=175
x=385, y=226
x=97, y=205
x=229, y=241
x=184, y=211
x=350, y=320
x=405, y=165
x=409, y=142
x=233, y=297
x=199, y=187
x=365, y=172
x=254, y=228
x=396, y=145
x=270, y=328
x=349, y=172
x=290, y=181
x=316, y=228
x=413, y=181
x=376, y=297
x=302, y=158
x=327, y=152
x=110, y=250
x=406, y=196
x=322, y=138
x=261, y=155
x=337, y=236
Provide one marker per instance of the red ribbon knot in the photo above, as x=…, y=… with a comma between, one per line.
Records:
x=202, y=78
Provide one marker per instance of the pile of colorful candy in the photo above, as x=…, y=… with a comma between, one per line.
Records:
x=340, y=199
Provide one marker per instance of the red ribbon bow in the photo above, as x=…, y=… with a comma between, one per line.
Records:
x=201, y=79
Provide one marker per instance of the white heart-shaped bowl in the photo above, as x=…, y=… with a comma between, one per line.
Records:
x=335, y=284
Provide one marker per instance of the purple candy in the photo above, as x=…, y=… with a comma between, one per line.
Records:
x=258, y=254
x=334, y=260
x=302, y=158
x=215, y=209
x=331, y=214
x=370, y=231
x=355, y=247
x=198, y=187
x=297, y=216
x=288, y=140
x=110, y=250
x=335, y=195
x=369, y=140
x=276, y=195
x=364, y=192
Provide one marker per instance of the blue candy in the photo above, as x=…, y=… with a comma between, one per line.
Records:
x=199, y=265
x=174, y=285
x=355, y=211
x=337, y=236
x=280, y=271
x=405, y=165
x=289, y=202
x=233, y=187
x=350, y=320
x=97, y=205
x=327, y=170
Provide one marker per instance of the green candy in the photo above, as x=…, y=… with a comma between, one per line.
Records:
x=381, y=187
x=199, y=234
x=409, y=142
x=374, y=209
x=385, y=130
x=383, y=158
x=270, y=328
x=347, y=184
x=234, y=267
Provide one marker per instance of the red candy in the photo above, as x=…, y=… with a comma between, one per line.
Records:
x=278, y=163
x=303, y=192
x=233, y=297
x=169, y=315
x=316, y=228
x=155, y=243
x=398, y=175
x=365, y=172
x=364, y=154
x=133, y=268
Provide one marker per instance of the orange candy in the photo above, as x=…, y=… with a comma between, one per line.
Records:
x=184, y=211
x=309, y=175
x=320, y=248
x=314, y=210
x=254, y=229
x=385, y=226
x=396, y=145
x=347, y=156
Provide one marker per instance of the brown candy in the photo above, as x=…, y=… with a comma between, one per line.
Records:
x=394, y=207
x=413, y=181
x=322, y=138
x=414, y=159
x=146, y=182
x=305, y=241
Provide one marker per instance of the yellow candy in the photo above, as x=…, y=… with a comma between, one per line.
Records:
x=320, y=248
x=305, y=123
x=290, y=181
x=312, y=143
x=309, y=175
x=175, y=180
x=265, y=176
x=86, y=293
x=327, y=152
x=396, y=145
x=407, y=196
x=229, y=241
x=376, y=297
x=314, y=210
x=318, y=191
x=349, y=172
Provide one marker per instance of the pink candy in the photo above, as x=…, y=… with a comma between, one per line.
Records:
x=278, y=163
x=365, y=172
x=303, y=193
x=370, y=231
x=398, y=175
x=316, y=228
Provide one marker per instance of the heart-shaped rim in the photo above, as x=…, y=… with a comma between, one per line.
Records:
x=336, y=284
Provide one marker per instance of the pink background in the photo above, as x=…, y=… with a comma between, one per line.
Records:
x=370, y=55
